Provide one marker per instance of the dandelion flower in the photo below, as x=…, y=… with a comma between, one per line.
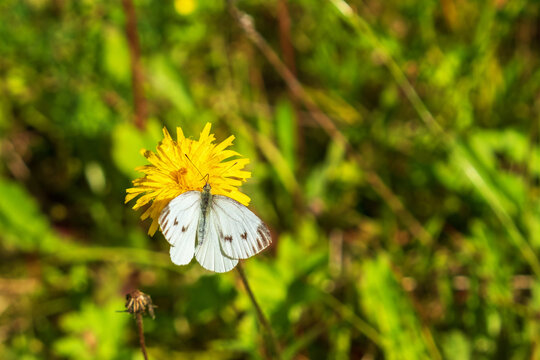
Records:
x=185, y=165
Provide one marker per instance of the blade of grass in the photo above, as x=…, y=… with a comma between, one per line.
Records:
x=363, y=27
x=348, y=315
x=271, y=341
x=411, y=223
x=470, y=170
x=490, y=195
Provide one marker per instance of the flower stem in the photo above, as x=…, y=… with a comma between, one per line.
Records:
x=271, y=342
x=138, y=316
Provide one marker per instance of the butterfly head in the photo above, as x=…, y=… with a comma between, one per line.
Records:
x=207, y=187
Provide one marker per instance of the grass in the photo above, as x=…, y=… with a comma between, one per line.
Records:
x=394, y=153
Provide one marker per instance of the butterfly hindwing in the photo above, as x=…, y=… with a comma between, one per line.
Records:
x=240, y=232
x=178, y=222
x=208, y=250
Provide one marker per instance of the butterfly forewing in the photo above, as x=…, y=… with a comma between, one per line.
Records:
x=240, y=232
x=178, y=222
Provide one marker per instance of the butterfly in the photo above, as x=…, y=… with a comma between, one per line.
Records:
x=216, y=229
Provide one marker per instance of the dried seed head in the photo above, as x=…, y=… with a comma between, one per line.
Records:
x=138, y=302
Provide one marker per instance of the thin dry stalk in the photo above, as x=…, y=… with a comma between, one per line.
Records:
x=137, y=73
x=287, y=50
x=414, y=226
x=140, y=328
x=137, y=303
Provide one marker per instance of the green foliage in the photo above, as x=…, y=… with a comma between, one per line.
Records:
x=96, y=332
x=387, y=306
x=438, y=99
x=23, y=225
x=127, y=143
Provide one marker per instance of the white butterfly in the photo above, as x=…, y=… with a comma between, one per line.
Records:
x=215, y=228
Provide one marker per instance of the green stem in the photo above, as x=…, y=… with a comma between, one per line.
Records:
x=270, y=337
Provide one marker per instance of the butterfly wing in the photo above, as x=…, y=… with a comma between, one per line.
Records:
x=208, y=251
x=241, y=233
x=178, y=222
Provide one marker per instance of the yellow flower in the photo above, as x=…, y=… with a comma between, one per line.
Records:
x=172, y=173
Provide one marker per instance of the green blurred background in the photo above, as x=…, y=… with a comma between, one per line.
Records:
x=419, y=240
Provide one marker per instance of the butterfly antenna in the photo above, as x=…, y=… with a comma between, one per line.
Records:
x=207, y=176
x=229, y=168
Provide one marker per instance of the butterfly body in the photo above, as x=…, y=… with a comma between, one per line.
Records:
x=216, y=229
x=206, y=198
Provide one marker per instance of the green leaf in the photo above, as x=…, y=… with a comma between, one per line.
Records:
x=456, y=346
x=23, y=225
x=116, y=54
x=286, y=131
x=128, y=141
x=387, y=306
x=95, y=332
x=168, y=83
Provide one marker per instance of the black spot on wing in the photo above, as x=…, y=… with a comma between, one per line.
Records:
x=228, y=238
x=175, y=221
x=262, y=238
x=184, y=228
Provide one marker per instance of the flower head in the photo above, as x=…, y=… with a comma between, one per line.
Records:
x=185, y=165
